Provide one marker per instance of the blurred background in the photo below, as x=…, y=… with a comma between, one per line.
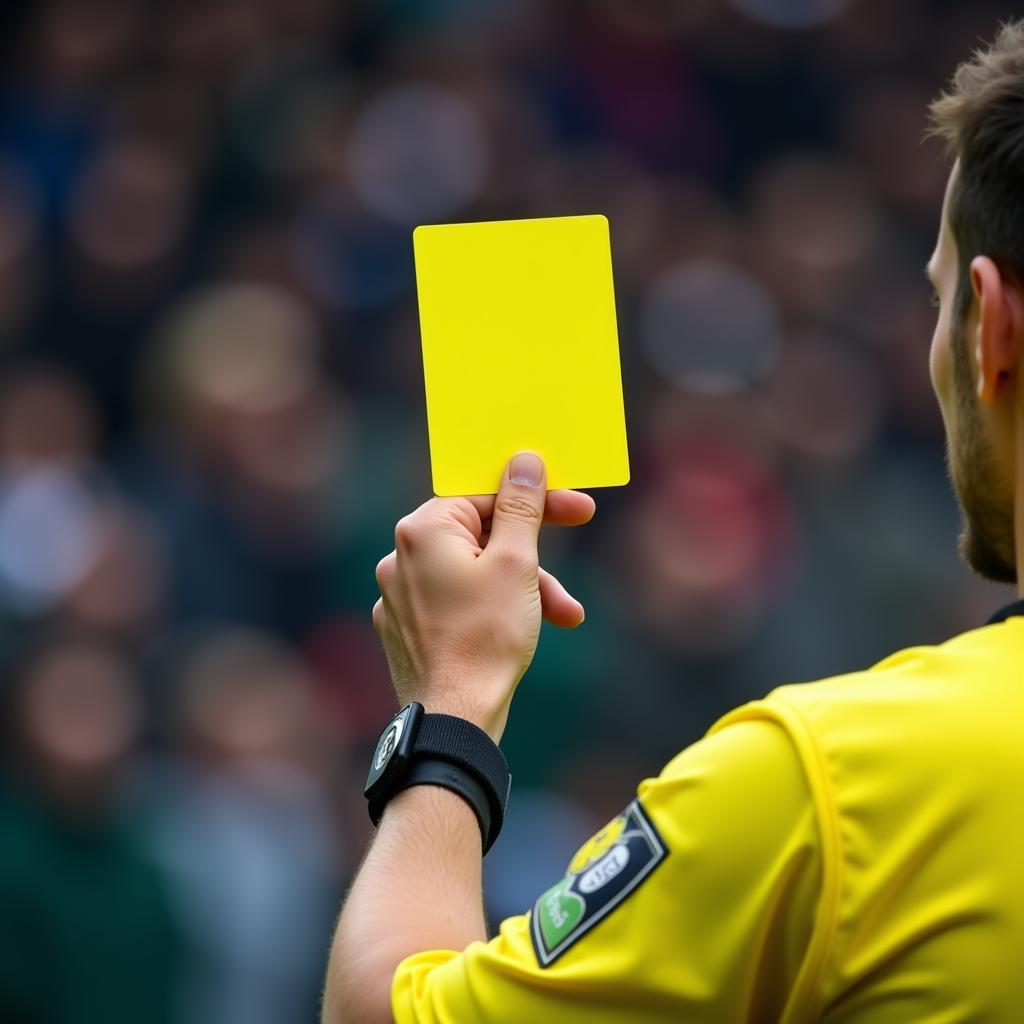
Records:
x=211, y=417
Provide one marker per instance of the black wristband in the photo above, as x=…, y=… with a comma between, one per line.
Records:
x=419, y=749
x=464, y=744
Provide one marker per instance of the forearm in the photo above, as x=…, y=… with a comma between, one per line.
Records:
x=462, y=599
x=418, y=888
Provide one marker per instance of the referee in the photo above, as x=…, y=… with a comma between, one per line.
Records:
x=847, y=851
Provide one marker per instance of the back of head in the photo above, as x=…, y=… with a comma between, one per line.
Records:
x=981, y=118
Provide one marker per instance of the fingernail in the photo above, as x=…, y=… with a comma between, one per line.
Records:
x=526, y=468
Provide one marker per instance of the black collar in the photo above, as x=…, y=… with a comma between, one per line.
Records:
x=1016, y=608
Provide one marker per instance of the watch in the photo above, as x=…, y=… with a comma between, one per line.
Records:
x=418, y=749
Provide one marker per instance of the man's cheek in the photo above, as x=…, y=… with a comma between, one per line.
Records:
x=939, y=368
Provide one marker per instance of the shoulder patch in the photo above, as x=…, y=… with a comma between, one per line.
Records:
x=605, y=870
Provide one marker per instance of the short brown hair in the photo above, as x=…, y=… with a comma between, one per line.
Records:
x=981, y=118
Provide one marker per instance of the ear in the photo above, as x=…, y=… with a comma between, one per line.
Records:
x=997, y=340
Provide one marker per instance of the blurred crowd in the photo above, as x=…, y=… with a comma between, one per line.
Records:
x=211, y=417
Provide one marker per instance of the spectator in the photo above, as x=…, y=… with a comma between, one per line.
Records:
x=246, y=831
x=87, y=932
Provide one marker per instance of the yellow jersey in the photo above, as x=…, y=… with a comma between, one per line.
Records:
x=848, y=851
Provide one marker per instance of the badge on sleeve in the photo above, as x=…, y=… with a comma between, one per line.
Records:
x=605, y=870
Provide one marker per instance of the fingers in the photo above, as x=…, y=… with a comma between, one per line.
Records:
x=385, y=569
x=519, y=509
x=558, y=606
x=568, y=508
x=474, y=512
x=506, y=525
x=561, y=507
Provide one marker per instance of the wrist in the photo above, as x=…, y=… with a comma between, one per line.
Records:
x=436, y=749
x=462, y=696
x=491, y=720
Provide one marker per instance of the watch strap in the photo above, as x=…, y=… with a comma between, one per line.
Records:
x=446, y=751
x=466, y=745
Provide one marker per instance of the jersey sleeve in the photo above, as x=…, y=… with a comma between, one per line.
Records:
x=696, y=903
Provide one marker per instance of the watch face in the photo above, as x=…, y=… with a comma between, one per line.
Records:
x=388, y=743
x=393, y=748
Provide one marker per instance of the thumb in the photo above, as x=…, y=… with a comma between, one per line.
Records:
x=519, y=506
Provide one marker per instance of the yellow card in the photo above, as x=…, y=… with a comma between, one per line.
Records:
x=520, y=350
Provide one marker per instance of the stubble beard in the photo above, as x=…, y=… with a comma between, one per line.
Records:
x=986, y=539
